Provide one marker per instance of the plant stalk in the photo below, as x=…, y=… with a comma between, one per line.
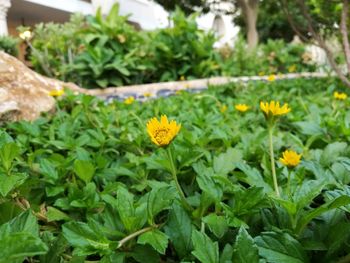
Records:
x=135, y=234
x=272, y=159
x=178, y=187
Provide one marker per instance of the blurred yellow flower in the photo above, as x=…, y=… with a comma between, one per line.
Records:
x=147, y=94
x=182, y=78
x=26, y=35
x=290, y=158
x=261, y=73
x=129, y=100
x=340, y=95
x=241, y=107
x=56, y=92
x=292, y=68
x=273, y=108
x=223, y=108
x=162, y=132
x=271, y=78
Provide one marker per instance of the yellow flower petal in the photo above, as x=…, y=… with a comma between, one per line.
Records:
x=241, y=107
x=273, y=108
x=162, y=132
x=340, y=95
x=290, y=158
x=56, y=92
x=129, y=100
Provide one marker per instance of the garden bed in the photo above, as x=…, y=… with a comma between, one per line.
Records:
x=89, y=185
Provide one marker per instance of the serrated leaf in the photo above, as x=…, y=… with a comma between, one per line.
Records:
x=157, y=239
x=85, y=170
x=10, y=182
x=179, y=230
x=217, y=224
x=245, y=249
x=17, y=246
x=85, y=239
x=225, y=162
x=205, y=250
x=280, y=247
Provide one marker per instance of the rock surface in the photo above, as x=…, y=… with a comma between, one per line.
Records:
x=24, y=94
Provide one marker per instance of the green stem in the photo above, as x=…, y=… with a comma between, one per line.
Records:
x=135, y=234
x=178, y=187
x=272, y=159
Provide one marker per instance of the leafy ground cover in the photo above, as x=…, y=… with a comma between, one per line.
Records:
x=87, y=184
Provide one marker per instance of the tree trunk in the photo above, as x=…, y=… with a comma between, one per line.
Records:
x=250, y=14
x=344, y=32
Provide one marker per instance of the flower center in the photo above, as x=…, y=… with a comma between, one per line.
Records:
x=161, y=135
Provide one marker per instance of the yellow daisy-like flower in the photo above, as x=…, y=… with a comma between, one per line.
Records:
x=273, y=108
x=290, y=158
x=162, y=132
x=147, y=94
x=223, y=108
x=129, y=100
x=56, y=92
x=271, y=78
x=241, y=107
x=292, y=68
x=340, y=95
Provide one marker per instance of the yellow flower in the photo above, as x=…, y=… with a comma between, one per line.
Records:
x=292, y=68
x=290, y=158
x=241, y=107
x=273, y=108
x=223, y=108
x=129, y=100
x=340, y=95
x=147, y=94
x=271, y=78
x=26, y=35
x=163, y=132
x=261, y=73
x=182, y=78
x=56, y=92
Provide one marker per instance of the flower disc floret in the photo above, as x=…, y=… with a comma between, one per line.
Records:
x=241, y=107
x=162, y=132
x=274, y=109
x=290, y=158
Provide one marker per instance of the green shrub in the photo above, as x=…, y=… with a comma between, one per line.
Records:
x=106, y=51
x=9, y=45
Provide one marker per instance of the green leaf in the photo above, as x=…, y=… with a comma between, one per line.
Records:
x=159, y=199
x=53, y=214
x=84, y=169
x=205, y=250
x=310, y=215
x=225, y=162
x=17, y=246
x=205, y=180
x=179, y=230
x=10, y=182
x=145, y=254
x=280, y=247
x=217, y=224
x=245, y=249
x=157, y=239
x=8, y=153
x=86, y=239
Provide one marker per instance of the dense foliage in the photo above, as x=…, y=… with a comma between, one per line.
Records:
x=92, y=185
x=9, y=45
x=102, y=52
